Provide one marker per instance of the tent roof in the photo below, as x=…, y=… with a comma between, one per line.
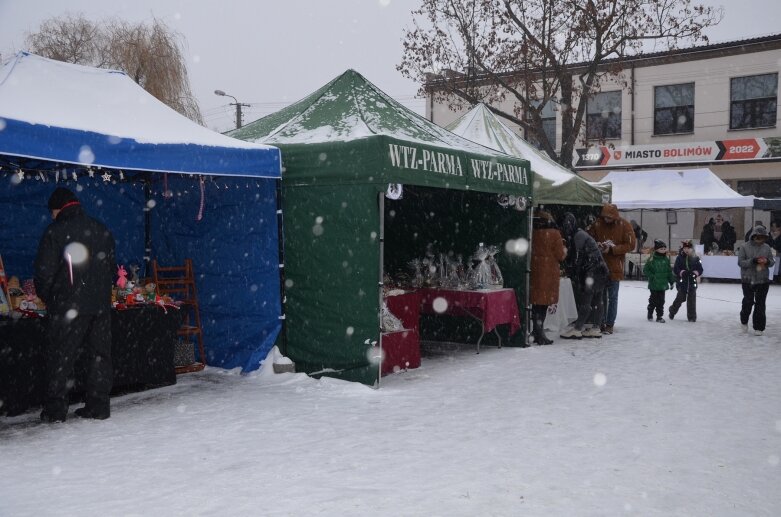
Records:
x=669, y=189
x=553, y=182
x=356, y=133
x=67, y=113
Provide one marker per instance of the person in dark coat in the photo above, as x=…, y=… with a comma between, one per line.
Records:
x=706, y=237
x=589, y=275
x=547, y=253
x=687, y=270
x=728, y=237
x=74, y=270
x=774, y=240
x=756, y=261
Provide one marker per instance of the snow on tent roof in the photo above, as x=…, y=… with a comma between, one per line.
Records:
x=553, y=183
x=670, y=189
x=353, y=128
x=67, y=113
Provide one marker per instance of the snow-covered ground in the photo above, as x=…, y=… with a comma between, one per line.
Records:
x=675, y=419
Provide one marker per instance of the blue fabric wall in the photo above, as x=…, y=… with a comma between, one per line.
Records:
x=234, y=247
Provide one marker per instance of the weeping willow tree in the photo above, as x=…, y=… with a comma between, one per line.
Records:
x=150, y=53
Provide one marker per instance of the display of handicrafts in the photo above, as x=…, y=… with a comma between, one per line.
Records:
x=485, y=273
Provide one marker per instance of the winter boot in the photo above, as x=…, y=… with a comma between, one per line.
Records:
x=571, y=333
x=593, y=332
x=650, y=314
x=660, y=320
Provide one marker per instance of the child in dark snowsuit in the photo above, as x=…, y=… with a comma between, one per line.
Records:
x=659, y=274
x=687, y=270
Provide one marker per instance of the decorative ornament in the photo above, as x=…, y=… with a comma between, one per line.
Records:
x=106, y=177
x=503, y=200
x=521, y=203
x=20, y=174
x=90, y=172
x=395, y=191
x=75, y=176
x=121, y=176
x=202, y=185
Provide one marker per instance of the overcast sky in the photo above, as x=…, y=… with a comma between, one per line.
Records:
x=271, y=53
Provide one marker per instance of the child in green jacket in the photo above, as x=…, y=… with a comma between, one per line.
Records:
x=660, y=275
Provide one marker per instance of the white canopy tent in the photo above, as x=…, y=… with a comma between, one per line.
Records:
x=553, y=183
x=667, y=201
x=671, y=189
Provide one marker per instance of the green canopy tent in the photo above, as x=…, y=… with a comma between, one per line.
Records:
x=553, y=183
x=342, y=147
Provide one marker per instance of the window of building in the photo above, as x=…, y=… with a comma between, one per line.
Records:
x=548, y=116
x=674, y=109
x=603, y=121
x=753, y=101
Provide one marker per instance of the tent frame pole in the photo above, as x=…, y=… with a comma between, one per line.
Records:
x=527, y=294
x=281, y=256
x=381, y=233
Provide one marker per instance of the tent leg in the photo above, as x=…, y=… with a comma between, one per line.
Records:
x=147, y=228
x=381, y=233
x=527, y=297
x=281, y=255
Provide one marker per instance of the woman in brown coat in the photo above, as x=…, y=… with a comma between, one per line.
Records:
x=547, y=253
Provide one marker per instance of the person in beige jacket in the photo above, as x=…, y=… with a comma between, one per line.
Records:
x=615, y=237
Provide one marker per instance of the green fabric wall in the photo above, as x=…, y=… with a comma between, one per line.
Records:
x=332, y=275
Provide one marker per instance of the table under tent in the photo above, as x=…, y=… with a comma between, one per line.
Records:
x=369, y=185
x=166, y=187
x=674, y=205
x=553, y=183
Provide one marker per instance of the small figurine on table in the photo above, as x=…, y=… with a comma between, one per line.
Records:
x=122, y=280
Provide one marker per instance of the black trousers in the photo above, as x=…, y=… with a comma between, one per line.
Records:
x=690, y=297
x=591, y=305
x=656, y=301
x=754, y=296
x=91, y=335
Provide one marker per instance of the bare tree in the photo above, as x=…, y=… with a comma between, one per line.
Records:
x=538, y=51
x=149, y=53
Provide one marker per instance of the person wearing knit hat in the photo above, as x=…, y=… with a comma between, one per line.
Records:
x=74, y=272
x=659, y=273
x=756, y=262
x=61, y=198
x=687, y=271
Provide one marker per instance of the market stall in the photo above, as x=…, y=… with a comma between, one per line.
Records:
x=673, y=205
x=142, y=352
x=367, y=186
x=166, y=187
x=554, y=184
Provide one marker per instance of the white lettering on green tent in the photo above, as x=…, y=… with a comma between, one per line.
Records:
x=406, y=157
x=493, y=170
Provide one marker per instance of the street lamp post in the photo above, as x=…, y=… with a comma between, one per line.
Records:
x=235, y=103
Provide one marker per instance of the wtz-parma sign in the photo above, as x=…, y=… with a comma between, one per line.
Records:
x=692, y=152
x=425, y=160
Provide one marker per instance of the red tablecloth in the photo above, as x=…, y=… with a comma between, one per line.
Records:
x=401, y=349
x=492, y=307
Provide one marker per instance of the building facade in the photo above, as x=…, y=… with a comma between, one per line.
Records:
x=710, y=106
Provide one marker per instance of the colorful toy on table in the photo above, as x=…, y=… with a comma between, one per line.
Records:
x=122, y=280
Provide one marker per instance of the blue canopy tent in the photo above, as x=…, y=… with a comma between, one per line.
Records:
x=166, y=187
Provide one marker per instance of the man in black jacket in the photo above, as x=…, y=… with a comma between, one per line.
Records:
x=73, y=275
